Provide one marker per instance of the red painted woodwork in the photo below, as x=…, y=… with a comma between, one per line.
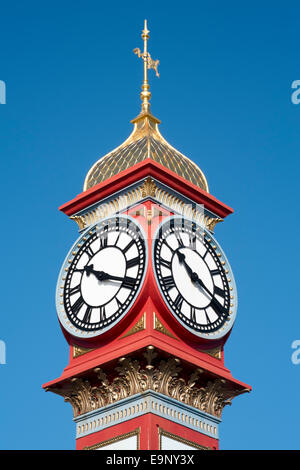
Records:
x=134, y=174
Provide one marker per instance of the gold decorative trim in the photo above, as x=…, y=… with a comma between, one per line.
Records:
x=136, y=433
x=149, y=188
x=176, y=204
x=162, y=433
x=216, y=352
x=158, y=326
x=79, y=351
x=162, y=376
x=134, y=196
x=139, y=326
x=108, y=208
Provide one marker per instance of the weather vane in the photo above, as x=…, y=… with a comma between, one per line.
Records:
x=149, y=63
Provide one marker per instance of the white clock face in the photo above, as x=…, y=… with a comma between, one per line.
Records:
x=101, y=276
x=194, y=277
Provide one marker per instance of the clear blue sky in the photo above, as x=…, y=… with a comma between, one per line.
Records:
x=224, y=98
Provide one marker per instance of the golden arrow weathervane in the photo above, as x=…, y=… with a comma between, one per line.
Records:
x=149, y=63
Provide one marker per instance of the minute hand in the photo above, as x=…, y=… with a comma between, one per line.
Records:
x=195, y=278
x=215, y=303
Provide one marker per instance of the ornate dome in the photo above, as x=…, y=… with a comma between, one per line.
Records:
x=145, y=142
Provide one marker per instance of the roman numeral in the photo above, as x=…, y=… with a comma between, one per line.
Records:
x=192, y=242
x=102, y=313
x=104, y=238
x=130, y=244
x=118, y=238
x=74, y=290
x=128, y=282
x=170, y=248
x=219, y=291
x=214, y=272
x=89, y=252
x=120, y=305
x=168, y=282
x=207, y=317
x=77, y=305
x=87, y=315
x=218, y=308
x=193, y=314
x=178, y=301
x=179, y=239
x=165, y=263
x=132, y=262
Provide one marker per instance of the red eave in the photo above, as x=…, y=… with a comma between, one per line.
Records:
x=198, y=360
x=135, y=173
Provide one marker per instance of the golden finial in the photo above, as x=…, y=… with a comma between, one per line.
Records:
x=149, y=63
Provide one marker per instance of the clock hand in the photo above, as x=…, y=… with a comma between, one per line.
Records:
x=89, y=269
x=181, y=258
x=214, y=302
x=193, y=275
x=103, y=276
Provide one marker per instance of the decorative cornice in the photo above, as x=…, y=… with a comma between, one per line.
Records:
x=140, y=325
x=148, y=188
x=132, y=376
x=158, y=326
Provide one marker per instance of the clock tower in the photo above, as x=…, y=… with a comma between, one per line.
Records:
x=146, y=299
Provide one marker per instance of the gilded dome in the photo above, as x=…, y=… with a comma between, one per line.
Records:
x=145, y=142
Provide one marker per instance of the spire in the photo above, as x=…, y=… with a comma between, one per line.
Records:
x=145, y=142
x=149, y=63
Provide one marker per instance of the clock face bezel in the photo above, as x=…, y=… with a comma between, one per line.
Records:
x=219, y=259
x=64, y=279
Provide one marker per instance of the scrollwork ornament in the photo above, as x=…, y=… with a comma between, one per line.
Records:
x=133, y=377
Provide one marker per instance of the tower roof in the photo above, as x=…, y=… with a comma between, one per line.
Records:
x=145, y=141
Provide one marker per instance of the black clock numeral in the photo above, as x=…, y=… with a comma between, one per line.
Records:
x=87, y=315
x=218, y=308
x=207, y=317
x=192, y=241
x=193, y=314
x=128, y=282
x=130, y=244
x=214, y=272
x=168, y=246
x=178, y=301
x=179, y=239
x=89, y=252
x=117, y=239
x=77, y=305
x=132, y=262
x=102, y=313
x=167, y=264
x=104, y=238
x=169, y=282
x=74, y=290
x=120, y=305
x=219, y=292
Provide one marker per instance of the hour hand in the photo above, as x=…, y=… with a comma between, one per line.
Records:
x=89, y=269
x=181, y=258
